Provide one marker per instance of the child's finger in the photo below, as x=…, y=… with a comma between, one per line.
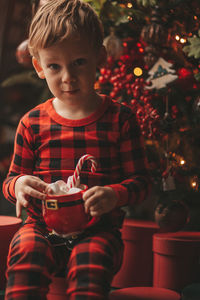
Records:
x=88, y=193
x=90, y=202
x=18, y=209
x=35, y=193
x=38, y=184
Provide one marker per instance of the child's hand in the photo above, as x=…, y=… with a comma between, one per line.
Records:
x=99, y=200
x=26, y=186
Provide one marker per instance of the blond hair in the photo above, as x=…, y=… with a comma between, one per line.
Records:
x=59, y=20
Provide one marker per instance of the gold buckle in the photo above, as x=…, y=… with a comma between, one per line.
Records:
x=52, y=204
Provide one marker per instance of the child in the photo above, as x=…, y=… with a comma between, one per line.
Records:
x=66, y=42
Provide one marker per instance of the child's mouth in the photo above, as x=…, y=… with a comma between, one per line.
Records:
x=71, y=92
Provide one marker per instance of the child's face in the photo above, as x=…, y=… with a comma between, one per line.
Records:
x=69, y=68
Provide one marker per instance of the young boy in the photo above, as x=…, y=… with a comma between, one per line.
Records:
x=66, y=42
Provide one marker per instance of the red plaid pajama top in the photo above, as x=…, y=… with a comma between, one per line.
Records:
x=49, y=146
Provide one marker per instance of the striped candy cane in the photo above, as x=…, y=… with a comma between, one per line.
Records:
x=79, y=165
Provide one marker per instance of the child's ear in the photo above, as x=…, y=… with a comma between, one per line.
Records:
x=102, y=57
x=38, y=68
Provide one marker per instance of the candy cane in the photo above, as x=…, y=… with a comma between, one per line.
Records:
x=79, y=167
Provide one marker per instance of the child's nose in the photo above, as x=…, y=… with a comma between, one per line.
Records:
x=68, y=75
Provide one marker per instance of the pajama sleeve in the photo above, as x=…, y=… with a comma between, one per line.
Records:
x=22, y=161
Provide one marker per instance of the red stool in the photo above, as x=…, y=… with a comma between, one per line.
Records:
x=144, y=293
x=57, y=289
x=137, y=266
x=176, y=259
x=8, y=227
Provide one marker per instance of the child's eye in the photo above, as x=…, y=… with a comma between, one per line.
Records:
x=80, y=62
x=54, y=66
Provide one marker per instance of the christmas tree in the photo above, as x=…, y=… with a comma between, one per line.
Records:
x=153, y=67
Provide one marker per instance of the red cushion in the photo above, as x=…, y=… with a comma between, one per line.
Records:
x=8, y=227
x=144, y=293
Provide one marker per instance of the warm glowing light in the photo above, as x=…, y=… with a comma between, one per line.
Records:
x=139, y=45
x=129, y=18
x=182, y=40
x=194, y=184
x=182, y=162
x=177, y=37
x=195, y=18
x=137, y=71
x=129, y=5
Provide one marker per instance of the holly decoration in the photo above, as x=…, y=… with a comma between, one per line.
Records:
x=118, y=80
x=193, y=49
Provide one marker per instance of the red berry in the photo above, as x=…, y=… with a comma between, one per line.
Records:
x=112, y=94
x=103, y=71
x=129, y=77
x=102, y=79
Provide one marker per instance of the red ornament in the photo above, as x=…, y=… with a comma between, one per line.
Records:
x=184, y=73
x=171, y=216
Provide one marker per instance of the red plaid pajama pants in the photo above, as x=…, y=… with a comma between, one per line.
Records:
x=89, y=267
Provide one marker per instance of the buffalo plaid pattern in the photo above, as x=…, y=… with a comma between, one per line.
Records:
x=89, y=267
x=49, y=146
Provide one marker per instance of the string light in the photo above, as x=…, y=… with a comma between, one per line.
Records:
x=194, y=183
x=137, y=71
x=182, y=162
x=179, y=160
x=139, y=45
x=182, y=40
x=129, y=5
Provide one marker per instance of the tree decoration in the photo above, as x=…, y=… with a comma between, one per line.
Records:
x=23, y=56
x=113, y=44
x=168, y=181
x=147, y=3
x=154, y=32
x=117, y=79
x=171, y=215
x=193, y=49
x=150, y=55
x=154, y=35
x=161, y=74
